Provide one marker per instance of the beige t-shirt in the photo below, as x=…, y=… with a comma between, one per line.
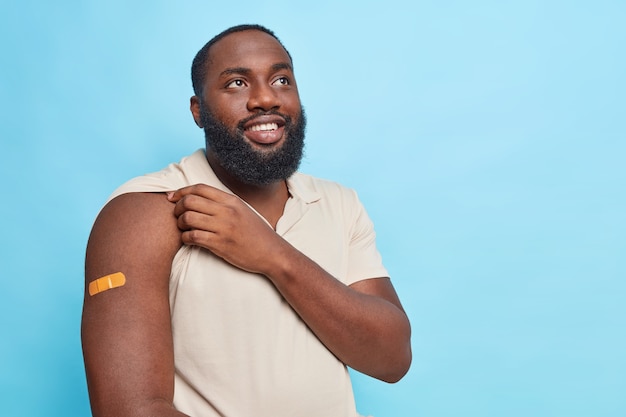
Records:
x=240, y=350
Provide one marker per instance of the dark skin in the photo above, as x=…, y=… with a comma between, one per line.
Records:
x=126, y=331
x=126, y=334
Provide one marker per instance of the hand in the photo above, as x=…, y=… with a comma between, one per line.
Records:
x=225, y=225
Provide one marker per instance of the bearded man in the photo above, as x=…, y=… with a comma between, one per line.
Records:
x=229, y=284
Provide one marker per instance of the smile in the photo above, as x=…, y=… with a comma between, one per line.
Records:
x=267, y=133
x=264, y=127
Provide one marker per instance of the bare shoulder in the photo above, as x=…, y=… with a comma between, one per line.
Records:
x=135, y=233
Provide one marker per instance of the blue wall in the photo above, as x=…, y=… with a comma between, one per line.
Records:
x=486, y=139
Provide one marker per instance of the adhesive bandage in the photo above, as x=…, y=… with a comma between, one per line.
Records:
x=106, y=283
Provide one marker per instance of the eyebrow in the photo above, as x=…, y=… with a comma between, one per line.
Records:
x=235, y=70
x=282, y=66
x=245, y=71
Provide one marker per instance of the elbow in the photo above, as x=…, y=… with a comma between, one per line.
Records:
x=399, y=361
x=399, y=368
x=393, y=378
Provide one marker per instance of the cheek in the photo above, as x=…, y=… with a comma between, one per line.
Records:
x=292, y=103
x=229, y=112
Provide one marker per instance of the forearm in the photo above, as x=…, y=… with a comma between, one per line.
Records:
x=364, y=329
x=363, y=325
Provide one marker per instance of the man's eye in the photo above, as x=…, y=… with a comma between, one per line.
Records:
x=281, y=81
x=235, y=84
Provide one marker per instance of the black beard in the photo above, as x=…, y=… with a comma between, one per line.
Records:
x=247, y=164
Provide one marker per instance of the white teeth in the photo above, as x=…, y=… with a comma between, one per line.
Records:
x=264, y=126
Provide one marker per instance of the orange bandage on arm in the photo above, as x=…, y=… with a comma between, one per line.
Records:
x=106, y=283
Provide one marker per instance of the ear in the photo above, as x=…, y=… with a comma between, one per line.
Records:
x=194, y=106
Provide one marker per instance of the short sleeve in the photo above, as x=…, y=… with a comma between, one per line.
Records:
x=365, y=260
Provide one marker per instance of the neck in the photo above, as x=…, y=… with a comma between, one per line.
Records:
x=268, y=200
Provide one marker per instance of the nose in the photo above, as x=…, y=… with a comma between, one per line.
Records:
x=263, y=97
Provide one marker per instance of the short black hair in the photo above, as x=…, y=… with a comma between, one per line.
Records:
x=199, y=65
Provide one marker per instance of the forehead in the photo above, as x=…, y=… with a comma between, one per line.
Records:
x=251, y=49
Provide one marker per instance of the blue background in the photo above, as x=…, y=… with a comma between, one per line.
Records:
x=486, y=139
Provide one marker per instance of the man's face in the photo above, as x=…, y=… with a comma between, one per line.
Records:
x=250, y=109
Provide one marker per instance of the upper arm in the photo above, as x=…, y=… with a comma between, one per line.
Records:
x=126, y=331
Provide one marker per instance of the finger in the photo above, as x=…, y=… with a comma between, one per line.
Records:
x=192, y=220
x=202, y=190
x=197, y=237
x=193, y=202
